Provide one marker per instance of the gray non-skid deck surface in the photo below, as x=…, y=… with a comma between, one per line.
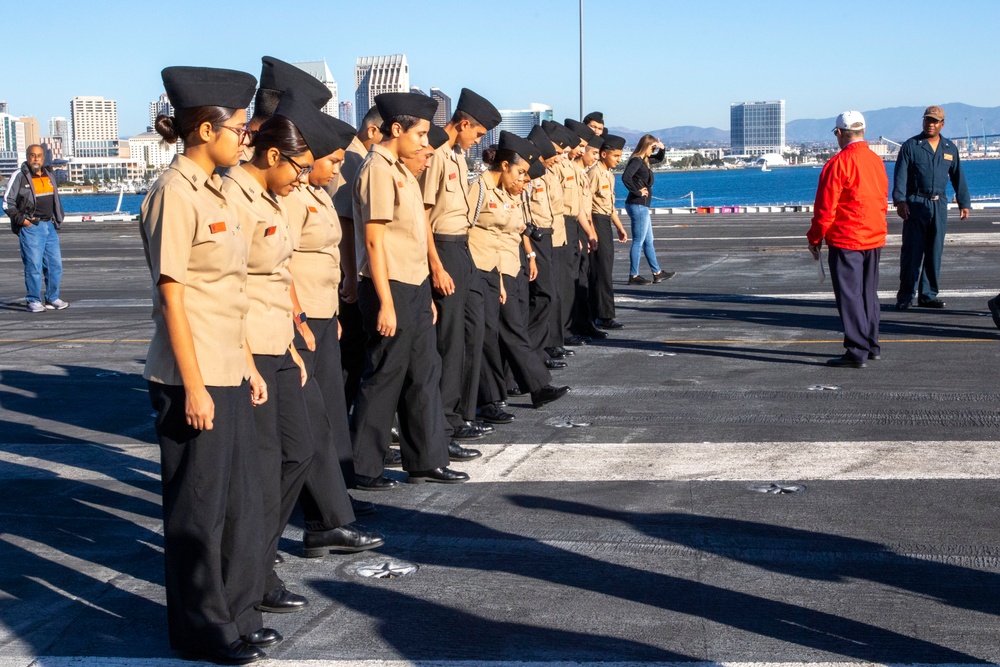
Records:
x=638, y=567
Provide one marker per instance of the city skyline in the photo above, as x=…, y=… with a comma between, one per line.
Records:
x=692, y=66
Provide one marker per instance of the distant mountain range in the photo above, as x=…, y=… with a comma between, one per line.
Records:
x=896, y=123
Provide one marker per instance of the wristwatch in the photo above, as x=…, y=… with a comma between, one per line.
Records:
x=301, y=317
x=531, y=255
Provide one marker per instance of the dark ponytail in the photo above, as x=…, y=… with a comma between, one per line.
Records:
x=494, y=156
x=281, y=133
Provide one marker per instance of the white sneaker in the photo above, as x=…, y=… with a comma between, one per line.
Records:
x=36, y=307
x=58, y=304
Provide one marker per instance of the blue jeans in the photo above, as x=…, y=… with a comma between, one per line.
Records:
x=642, y=239
x=42, y=259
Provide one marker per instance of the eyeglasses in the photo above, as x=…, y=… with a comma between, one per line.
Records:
x=242, y=133
x=303, y=171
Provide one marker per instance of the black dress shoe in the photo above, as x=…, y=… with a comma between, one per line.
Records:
x=902, y=305
x=874, y=357
x=555, y=364
x=282, y=601
x=846, y=362
x=575, y=341
x=594, y=332
x=263, y=638
x=494, y=414
x=554, y=353
x=458, y=453
x=278, y=559
x=393, y=459
x=608, y=324
x=547, y=394
x=438, y=476
x=487, y=428
x=237, y=653
x=362, y=507
x=379, y=483
x=994, y=305
x=394, y=436
x=661, y=275
x=564, y=351
x=347, y=539
x=930, y=303
x=513, y=391
x=501, y=404
x=468, y=431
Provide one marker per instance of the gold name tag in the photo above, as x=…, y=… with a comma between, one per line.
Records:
x=949, y=157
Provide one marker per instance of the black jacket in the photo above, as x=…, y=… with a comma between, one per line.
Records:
x=638, y=176
x=19, y=201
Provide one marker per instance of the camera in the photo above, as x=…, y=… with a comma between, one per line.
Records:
x=532, y=231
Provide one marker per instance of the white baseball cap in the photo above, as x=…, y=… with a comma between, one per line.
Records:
x=850, y=120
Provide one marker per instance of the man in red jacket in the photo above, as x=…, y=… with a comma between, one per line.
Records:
x=851, y=204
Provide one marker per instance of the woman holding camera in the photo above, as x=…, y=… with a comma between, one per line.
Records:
x=493, y=240
x=638, y=178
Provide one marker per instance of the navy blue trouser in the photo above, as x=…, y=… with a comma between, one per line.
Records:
x=923, y=243
x=855, y=285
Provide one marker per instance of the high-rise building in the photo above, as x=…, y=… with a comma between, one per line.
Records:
x=31, y=133
x=95, y=126
x=59, y=127
x=4, y=107
x=347, y=112
x=374, y=75
x=319, y=70
x=417, y=90
x=148, y=149
x=12, y=143
x=160, y=107
x=518, y=121
x=443, y=113
x=756, y=128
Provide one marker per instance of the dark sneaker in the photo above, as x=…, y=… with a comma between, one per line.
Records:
x=637, y=280
x=660, y=276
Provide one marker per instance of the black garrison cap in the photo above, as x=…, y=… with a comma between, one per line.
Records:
x=437, y=137
x=580, y=129
x=310, y=122
x=536, y=170
x=391, y=105
x=594, y=115
x=596, y=142
x=479, y=108
x=189, y=87
x=559, y=135
x=613, y=142
x=341, y=132
x=511, y=142
x=538, y=137
x=281, y=76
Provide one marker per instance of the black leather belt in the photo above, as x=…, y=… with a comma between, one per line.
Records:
x=451, y=238
x=928, y=196
x=545, y=230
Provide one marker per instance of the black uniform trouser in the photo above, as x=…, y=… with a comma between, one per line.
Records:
x=451, y=327
x=854, y=274
x=543, y=296
x=213, y=540
x=507, y=340
x=402, y=375
x=602, y=262
x=923, y=245
x=285, y=448
x=561, y=259
x=571, y=274
x=475, y=331
x=521, y=284
x=324, y=500
x=352, y=349
x=582, y=320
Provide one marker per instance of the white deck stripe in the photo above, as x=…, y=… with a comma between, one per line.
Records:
x=735, y=461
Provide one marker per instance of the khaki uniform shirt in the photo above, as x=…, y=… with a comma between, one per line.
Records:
x=569, y=177
x=269, y=323
x=191, y=234
x=385, y=190
x=511, y=240
x=341, y=189
x=497, y=216
x=445, y=185
x=315, y=266
x=554, y=186
x=541, y=206
x=586, y=193
x=602, y=184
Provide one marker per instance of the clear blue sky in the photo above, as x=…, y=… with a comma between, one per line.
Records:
x=650, y=63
